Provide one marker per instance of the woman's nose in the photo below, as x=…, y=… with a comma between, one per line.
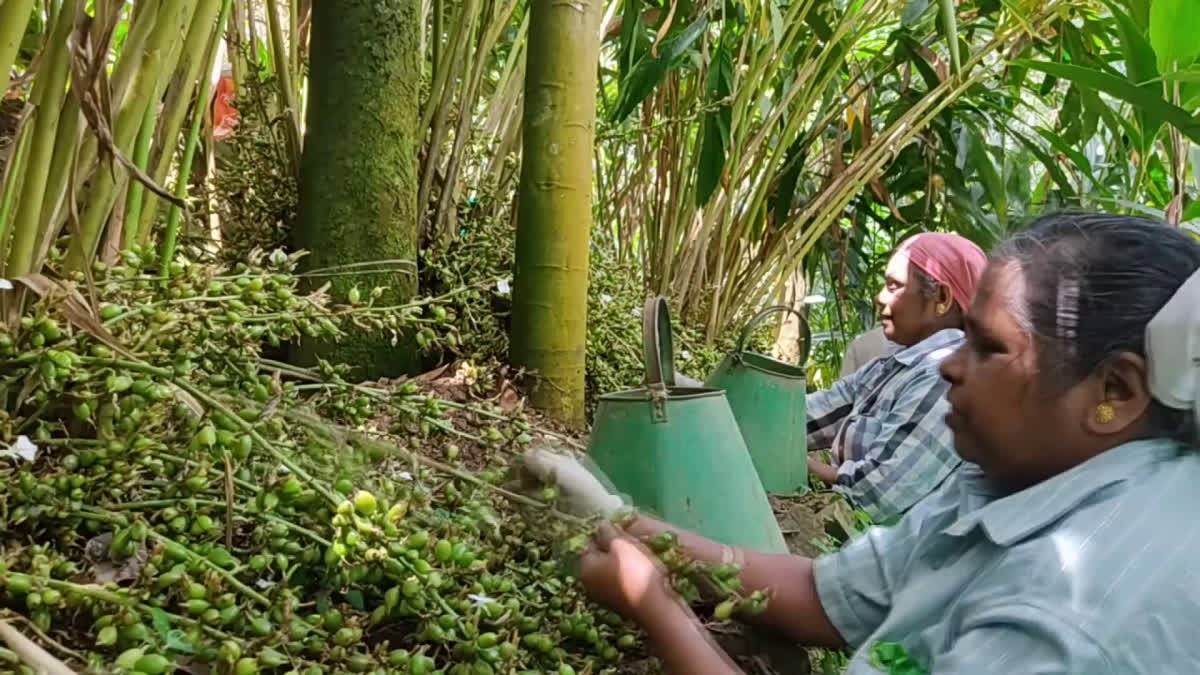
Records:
x=952, y=366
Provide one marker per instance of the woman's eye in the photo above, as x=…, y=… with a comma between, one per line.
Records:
x=985, y=347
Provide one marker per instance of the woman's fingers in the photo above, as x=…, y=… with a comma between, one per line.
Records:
x=605, y=534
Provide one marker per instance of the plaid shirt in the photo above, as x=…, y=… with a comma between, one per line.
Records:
x=886, y=426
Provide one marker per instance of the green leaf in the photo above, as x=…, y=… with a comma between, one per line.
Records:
x=776, y=23
x=631, y=24
x=1144, y=97
x=1192, y=212
x=176, y=641
x=1047, y=161
x=981, y=161
x=714, y=128
x=1191, y=75
x=355, y=599
x=1065, y=148
x=712, y=160
x=1174, y=27
x=160, y=621
x=649, y=70
x=913, y=11
x=909, y=47
x=1139, y=11
x=789, y=177
x=1139, y=55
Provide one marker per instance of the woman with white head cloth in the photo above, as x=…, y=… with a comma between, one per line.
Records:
x=1066, y=543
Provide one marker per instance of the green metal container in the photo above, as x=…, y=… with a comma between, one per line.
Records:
x=676, y=452
x=767, y=397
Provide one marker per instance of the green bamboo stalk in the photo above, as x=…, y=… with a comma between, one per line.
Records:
x=950, y=24
x=185, y=162
x=12, y=180
x=141, y=158
x=50, y=88
x=145, y=89
x=286, y=82
x=66, y=145
x=549, y=317
x=445, y=207
x=199, y=37
x=14, y=16
x=437, y=108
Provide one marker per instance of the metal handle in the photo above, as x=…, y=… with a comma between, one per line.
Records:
x=805, y=335
x=657, y=355
x=657, y=349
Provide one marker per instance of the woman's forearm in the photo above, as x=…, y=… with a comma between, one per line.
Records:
x=794, y=608
x=683, y=644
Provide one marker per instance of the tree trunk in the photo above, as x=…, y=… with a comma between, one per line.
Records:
x=549, y=317
x=358, y=177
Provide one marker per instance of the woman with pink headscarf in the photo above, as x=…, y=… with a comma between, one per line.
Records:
x=885, y=423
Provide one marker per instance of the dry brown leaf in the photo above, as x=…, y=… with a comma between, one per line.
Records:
x=664, y=28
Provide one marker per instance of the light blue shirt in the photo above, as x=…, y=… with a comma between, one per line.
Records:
x=1094, y=571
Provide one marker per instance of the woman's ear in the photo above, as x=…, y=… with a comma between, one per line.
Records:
x=1123, y=396
x=945, y=300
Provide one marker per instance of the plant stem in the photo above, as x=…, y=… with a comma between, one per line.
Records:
x=14, y=16
x=185, y=163
x=137, y=191
x=50, y=89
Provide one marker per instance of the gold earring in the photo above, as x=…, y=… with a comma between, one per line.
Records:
x=941, y=309
x=1105, y=413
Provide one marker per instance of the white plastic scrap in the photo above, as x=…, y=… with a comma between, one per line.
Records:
x=23, y=448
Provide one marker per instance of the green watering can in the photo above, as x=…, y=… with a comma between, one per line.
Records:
x=678, y=454
x=768, y=400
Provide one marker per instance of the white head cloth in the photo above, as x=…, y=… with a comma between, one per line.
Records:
x=1173, y=350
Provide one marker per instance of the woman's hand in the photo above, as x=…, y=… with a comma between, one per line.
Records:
x=827, y=473
x=620, y=573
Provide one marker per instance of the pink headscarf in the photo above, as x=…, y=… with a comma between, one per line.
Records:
x=951, y=259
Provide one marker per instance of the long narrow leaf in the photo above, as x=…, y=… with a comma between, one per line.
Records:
x=1139, y=55
x=651, y=70
x=1142, y=96
x=1174, y=26
x=1067, y=149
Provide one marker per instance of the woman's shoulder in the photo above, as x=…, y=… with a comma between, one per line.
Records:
x=1119, y=561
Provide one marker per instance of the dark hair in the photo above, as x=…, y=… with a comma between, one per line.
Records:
x=929, y=288
x=925, y=282
x=1092, y=283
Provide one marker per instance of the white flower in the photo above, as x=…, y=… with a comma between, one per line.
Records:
x=22, y=448
x=480, y=600
x=284, y=469
x=605, y=298
x=264, y=584
x=637, y=311
x=685, y=355
x=813, y=299
x=504, y=286
x=404, y=475
x=6, y=284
